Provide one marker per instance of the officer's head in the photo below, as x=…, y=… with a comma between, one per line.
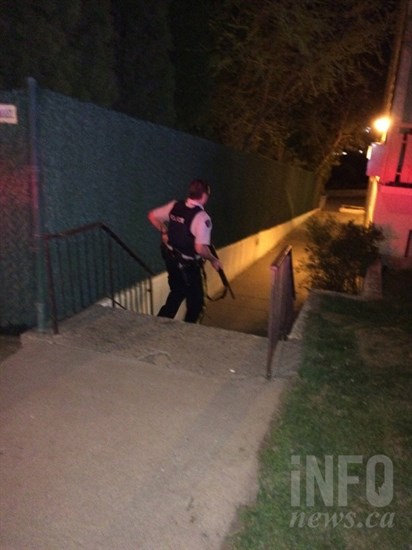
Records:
x=199, y=190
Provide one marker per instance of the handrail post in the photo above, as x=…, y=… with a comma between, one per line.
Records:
x=111, y=280
x=52, y=293
x=282, y=294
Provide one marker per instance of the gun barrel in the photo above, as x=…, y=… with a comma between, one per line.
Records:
x=222, y=274
x=225, y=281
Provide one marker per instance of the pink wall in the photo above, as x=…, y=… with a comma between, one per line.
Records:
x=393, y=160
x=393, y=213
x=390, y=164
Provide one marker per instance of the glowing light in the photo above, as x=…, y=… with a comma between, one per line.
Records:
x=382, y=124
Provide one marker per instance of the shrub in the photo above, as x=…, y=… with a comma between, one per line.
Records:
x=339, y=254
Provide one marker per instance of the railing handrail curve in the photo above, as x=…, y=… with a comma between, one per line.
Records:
x=73, y=232
x=108, y=230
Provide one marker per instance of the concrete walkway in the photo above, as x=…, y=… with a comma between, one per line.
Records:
x=130, y=432
x=248, y=312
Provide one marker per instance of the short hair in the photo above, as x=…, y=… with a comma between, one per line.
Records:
x=197, y=188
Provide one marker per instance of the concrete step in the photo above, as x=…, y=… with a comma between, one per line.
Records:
x=162, y=342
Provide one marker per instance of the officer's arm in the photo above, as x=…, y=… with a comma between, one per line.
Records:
x=159, y=218
x=204, y=252
x=157, y=222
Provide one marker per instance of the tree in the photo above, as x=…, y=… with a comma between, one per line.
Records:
x=143, y=67
x=292, y=77
x=65, y=46
x=190, y=58
x=33, y=43
x=92, y=38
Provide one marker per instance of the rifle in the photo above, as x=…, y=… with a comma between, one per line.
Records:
x=222, y=275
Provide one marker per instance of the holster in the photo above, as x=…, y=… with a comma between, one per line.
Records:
x=173, y=255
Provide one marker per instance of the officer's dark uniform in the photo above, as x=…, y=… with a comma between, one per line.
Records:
x=185, y=269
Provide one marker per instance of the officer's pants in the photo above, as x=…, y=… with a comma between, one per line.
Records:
x=186, y=282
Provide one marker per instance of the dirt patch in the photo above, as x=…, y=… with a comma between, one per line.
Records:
x=383, y=347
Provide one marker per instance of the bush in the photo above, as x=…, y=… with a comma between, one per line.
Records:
x=339, y=254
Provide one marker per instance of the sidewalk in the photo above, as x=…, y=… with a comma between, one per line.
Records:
x=130, y=432
x=135, y=432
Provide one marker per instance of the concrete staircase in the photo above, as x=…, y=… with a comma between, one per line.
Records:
x=164, y=342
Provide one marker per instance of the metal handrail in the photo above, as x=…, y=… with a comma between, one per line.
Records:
x=281, y=307
x=88, y=269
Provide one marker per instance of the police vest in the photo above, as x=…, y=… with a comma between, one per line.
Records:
x=180, y=220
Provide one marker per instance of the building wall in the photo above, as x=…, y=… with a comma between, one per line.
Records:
x=390, y=165
x=393, y=210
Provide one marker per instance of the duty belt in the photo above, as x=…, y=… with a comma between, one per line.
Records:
x=183, y=259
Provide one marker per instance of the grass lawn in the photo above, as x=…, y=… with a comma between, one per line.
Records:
x=348, y=417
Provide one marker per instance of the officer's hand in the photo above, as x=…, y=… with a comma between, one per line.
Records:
x=165, y=238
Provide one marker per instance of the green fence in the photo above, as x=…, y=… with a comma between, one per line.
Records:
x=99, y=165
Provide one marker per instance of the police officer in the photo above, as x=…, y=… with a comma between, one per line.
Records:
x=186, y=235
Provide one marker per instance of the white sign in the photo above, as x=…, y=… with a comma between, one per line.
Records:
x=8, y=114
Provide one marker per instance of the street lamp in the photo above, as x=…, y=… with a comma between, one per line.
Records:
x=382, y=125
